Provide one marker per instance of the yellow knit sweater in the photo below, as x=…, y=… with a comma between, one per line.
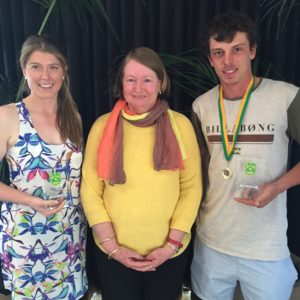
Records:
x=150, y=203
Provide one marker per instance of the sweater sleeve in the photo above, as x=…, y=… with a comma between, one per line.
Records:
x=190, y=180
x=92, y=187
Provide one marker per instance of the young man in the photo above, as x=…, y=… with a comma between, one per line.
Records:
x=245, y=125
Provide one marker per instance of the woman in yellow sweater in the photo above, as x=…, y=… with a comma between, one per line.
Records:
x=141, y=185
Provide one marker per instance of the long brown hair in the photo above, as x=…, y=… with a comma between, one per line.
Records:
x=68, y=119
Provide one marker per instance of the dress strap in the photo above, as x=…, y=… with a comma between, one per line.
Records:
x=24, y=118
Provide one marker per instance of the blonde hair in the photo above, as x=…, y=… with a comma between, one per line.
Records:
x=68, y=119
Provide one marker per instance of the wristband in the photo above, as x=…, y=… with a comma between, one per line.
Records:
x=173, y=247
x=176, y=243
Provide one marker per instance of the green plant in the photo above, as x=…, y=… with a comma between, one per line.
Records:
x=84, y=10
x=275, y=14
x=190, y=71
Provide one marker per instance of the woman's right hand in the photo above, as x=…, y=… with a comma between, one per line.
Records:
x=44, y=207
x=47, y=207
x=131, y=259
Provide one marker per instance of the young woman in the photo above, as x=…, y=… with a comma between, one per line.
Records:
x=42, y=228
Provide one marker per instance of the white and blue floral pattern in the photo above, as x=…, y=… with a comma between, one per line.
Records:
x=43, y=258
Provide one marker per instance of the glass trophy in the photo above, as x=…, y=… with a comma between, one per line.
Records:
x=250, y=180
x=55, y=187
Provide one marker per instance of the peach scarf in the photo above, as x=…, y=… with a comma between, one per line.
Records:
x=167, y=152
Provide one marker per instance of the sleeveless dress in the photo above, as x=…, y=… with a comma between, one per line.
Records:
x=43, y=258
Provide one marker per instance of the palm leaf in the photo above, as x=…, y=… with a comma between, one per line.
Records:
x=49, y=5
x=190, y=71
x=85, y=9
x=278, y=12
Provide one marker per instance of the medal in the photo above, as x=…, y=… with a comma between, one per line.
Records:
x=229, y=149
x=226, y=173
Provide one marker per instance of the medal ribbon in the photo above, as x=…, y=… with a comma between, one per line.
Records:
x=228, y=149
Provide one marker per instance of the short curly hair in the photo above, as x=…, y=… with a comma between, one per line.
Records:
x=223, y=27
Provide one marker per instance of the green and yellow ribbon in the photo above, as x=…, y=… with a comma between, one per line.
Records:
x=227, y=147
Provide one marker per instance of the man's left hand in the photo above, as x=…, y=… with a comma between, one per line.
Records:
x=267, y=192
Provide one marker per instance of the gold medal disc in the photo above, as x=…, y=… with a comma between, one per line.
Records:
x=226, y=173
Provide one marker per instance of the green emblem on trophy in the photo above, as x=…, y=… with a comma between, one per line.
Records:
x=250, y=168
x=55, y=178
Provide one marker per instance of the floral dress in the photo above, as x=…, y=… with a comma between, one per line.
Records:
x=43, y=258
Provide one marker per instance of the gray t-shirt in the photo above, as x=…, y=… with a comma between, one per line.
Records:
x=224, y=224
